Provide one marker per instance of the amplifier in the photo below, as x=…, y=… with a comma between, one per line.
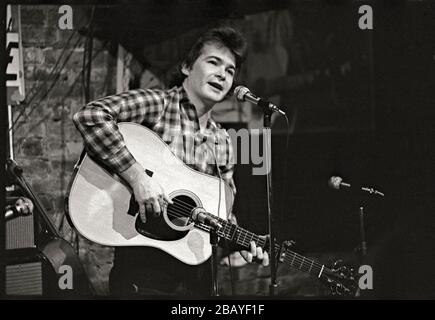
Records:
x=20, y=232
x=39, y=262
x=24, y=279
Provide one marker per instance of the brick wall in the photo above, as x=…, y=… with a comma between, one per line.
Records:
x=46, y=143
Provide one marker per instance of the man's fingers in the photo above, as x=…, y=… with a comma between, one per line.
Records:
x=246, y=255
x=142, y=212
x=149, y=208
x=253, y=250
x=249, y=257
x=165, y=196
x=265, y=261
x=260, y=253
x=167, y=199
x=156, y=208
x=142, y=208
x=143, y=217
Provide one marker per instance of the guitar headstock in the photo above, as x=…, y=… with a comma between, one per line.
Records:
x=341, y=279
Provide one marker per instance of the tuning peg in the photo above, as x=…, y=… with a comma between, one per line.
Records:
x=289, y=243
x=338, y=263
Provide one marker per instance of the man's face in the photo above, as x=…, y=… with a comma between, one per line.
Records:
x=211, y=76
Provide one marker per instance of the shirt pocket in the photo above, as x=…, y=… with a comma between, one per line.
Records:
x=173, y=138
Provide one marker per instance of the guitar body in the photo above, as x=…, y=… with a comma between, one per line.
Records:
x=102, y=209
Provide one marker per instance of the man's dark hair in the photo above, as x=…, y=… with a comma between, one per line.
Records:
x=222, y=36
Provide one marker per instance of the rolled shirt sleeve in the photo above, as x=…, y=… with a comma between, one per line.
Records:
x=98, y=121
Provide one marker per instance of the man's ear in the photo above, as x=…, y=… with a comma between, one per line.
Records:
x=184, y=69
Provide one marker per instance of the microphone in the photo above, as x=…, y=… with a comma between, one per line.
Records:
x=336, y=182
x=22, y=206
x=200, y=215
x=244, y=94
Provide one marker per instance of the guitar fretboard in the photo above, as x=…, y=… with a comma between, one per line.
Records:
x=243, y=237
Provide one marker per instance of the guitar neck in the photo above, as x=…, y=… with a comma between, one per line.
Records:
x=299, y=262
x=243, y=237
x=240, y=236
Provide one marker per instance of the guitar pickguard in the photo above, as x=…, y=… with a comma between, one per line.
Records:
x=156, y=227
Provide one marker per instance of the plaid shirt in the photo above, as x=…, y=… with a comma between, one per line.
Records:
x=168, y=113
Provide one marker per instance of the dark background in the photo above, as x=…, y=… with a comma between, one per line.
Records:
x=393, y=153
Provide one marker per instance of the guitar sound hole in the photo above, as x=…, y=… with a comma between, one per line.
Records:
x=179, y=212
x=178, y=215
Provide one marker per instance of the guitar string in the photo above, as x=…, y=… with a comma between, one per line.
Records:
x=247, y=234
x=295, y=259
x=305, y=263
x=315, y=267
x=184, y=204
x=291, y=258
x=318, y=266
x=175, y=211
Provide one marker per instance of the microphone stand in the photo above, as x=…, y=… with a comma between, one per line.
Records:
x=363, y=248
x=214, y=240
x=268, y=151
x=199, y=215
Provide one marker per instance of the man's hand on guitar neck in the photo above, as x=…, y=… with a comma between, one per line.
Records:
x=255, y=252
x=148, y=193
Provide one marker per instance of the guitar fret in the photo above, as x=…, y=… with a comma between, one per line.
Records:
x=225, y=232
x=234, y=231
x=222, y=232
x=247, y=238
x=294, y=256
x=260, y=242
x=226, y=225
x=256, y=239
x=238, y=236
x=252, y=237
x=321, y=270
x=244, y=236
x=312, y=262
x=303, y=258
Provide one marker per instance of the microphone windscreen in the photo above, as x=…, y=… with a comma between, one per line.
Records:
x=334, y=182
x=240, y=92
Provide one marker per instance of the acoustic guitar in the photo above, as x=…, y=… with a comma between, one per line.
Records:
x=102, y=208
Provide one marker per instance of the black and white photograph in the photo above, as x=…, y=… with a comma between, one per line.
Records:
x=210, y=150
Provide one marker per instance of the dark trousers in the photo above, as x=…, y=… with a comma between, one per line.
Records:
x=145, y=271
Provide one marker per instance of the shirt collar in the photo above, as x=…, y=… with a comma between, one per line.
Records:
x=184, y=100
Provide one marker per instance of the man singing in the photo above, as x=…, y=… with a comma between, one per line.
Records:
x=204, y=78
